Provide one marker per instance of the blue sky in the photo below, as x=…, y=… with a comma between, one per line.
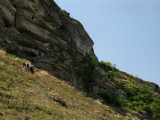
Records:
x=125, y=32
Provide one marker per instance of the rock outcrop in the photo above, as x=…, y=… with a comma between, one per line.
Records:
x=47, y=36
x=43, y=33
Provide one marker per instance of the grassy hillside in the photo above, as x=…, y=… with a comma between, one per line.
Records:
x=121, y=89
x=140, y=95
x=24, y=96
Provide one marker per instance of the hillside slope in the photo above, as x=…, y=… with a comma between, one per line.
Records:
x=69, y=81
x=24, y=96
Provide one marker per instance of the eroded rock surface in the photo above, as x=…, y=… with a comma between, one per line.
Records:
x=46, y=35
x=40, y=31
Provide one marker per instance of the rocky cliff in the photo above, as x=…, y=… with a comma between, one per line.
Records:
x=43, y=33
x=47, y=36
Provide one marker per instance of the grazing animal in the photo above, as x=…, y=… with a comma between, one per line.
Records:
x=28, y=67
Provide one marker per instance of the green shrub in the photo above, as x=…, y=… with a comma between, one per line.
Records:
x=155, y=107
x=118, y=101
x=120, y=83
x=140, y=99
x=132, y=80
x=139, y=106
x=110, y=70
x=109, y=66
x=130, y=90
x=105, y=75
x=90, y=61
x=143, y=99
x=110, y=75
x=87, y=71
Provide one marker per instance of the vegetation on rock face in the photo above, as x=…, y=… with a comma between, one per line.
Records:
x=108, y=65
x=118, y=101
x=111, y=72
x=53, y=41
x=140, y=97
x=87, y=71
x=137, y=96
x=143, y=99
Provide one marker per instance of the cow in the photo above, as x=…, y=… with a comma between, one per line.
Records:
x=28, y=67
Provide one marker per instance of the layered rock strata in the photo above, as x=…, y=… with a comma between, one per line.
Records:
x=43, y=33
x=46, y=35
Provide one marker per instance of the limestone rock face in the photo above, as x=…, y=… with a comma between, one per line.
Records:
x=40, y=31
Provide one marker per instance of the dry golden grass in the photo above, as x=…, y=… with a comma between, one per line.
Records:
x=24, y=96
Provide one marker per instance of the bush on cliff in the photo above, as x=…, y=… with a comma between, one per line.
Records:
x=87, y=70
